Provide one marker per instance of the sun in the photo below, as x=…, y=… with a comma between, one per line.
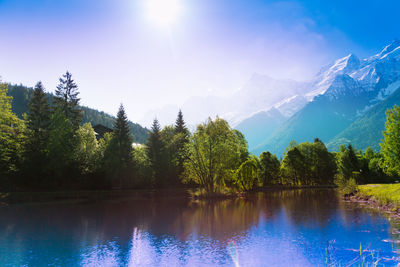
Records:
x=163, y=12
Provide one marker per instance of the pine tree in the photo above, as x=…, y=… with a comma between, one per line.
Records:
x=182, y=138
x=180, y=126
x=155, y=151
x=123, y=137
x=38, y=122
x=118, y=155
x=67, y=100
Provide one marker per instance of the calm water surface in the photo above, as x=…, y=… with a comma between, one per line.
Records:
x=284, y=228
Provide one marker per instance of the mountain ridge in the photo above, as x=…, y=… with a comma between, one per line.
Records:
x=344, y=91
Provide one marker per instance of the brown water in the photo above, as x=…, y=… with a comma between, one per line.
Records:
x=282, y=228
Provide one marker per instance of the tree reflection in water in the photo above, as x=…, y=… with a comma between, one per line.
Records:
x=289, y=227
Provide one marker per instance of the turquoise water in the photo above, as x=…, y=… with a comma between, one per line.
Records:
x=284, y=228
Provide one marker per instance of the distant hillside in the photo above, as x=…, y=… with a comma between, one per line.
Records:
x=260, y=126
x=367, y=130
x=21, y=95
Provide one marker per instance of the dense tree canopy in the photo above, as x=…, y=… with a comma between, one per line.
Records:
x=308, y=164
x=215, y=151
x=391, y=144
x=11, y=137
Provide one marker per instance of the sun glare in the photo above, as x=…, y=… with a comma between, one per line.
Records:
x=163, y=12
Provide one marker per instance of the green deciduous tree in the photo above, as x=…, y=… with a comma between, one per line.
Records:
x=87, y=149
x=247, y=174
x=214, y=152
x=11, y=138
x=308, y=164
x=390, y=147
x=347, y=162
x=269, y=169
x=61, y=147
x=144, y=172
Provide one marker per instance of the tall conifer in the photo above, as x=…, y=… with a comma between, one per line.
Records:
x=38, y=123
x=155, y=151
x=67, y=100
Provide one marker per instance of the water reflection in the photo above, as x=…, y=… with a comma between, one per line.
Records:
x=282, y=228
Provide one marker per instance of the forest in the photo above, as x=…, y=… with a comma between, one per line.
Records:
x=52, y=148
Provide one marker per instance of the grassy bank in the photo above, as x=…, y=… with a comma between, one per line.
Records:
x=384, y=194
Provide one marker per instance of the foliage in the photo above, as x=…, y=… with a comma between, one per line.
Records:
x=269, y=169
x=181, y=138
x=143, y=167
x=61, y=146
x=390, y=148
x=247, y=174
x=308, y=164
x=118, y=154
x=49, y=150
x=87, y=150
x=156, y=153
x=347, y=163
x=11, y=138
x=346, y=186
x=214, y=152
x=67, y=100
x=35, y=150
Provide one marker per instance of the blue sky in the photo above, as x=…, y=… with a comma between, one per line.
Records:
x=117, y=54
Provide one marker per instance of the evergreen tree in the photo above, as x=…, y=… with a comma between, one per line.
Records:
x=155, y=152
x=181, y=139
x=118, y=155
x=180, y=126
x=67, y=100
x=123, y=137
x=38, y=122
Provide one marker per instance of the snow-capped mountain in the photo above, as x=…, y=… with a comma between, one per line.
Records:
x=339, y=94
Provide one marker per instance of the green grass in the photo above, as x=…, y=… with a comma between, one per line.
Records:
x=383, y=193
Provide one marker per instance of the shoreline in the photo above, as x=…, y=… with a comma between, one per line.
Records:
x=371, y=200
x=81, y=196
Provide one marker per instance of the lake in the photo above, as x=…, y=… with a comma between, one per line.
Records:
x=306, y=227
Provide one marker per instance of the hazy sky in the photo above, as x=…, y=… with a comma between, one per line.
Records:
x=150, y=53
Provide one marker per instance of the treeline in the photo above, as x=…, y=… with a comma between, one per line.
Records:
x=49, y=149
x=22, y=95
